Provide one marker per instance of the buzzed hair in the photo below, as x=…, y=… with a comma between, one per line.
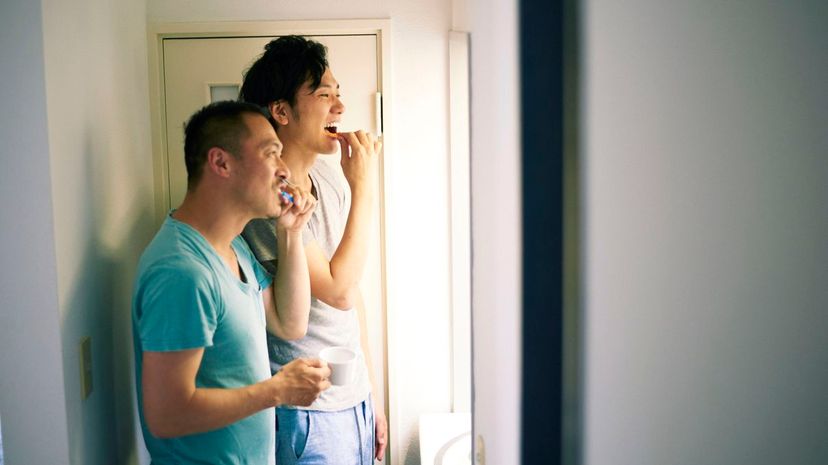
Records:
x=219, y=124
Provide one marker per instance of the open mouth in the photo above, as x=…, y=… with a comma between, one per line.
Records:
x=331, y=128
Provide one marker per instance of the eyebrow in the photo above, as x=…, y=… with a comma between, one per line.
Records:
x=271, y=143
x=328, y=86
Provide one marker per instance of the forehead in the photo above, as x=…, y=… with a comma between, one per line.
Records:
x=326, y=82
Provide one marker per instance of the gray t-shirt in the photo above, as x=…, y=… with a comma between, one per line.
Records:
x=327, y=326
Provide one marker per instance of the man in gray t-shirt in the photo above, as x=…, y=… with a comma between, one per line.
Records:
x=292, y=80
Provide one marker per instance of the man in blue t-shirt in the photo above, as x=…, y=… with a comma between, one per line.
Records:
x=202, y=302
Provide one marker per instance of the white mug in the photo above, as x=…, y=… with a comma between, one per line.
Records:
x=341, y=361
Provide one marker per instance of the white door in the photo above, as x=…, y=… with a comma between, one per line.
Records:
x=198, y=71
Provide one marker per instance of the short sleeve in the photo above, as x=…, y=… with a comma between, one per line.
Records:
x=262, y=276
x=178, y=308
x=260, y=237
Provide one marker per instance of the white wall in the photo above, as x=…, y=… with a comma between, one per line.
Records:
x=461, y=16
x=706, y=184
x=417, y=158
x=496, y=232
x=101, y=171
x=32, y=401
x=419, y=252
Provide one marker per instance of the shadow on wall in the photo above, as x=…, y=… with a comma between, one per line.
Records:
x=98, y=306
x=125, y=262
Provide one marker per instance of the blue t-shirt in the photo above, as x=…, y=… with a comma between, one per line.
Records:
x=185, y=298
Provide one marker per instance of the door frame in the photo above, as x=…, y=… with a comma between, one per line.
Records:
x=158, y=31
x=551, y=336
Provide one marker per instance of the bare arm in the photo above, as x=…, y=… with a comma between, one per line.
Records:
x=174, y=406
x=337, y=282
x=287, y=301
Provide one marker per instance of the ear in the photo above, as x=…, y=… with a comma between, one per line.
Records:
x=218, y=162
x=279, y=112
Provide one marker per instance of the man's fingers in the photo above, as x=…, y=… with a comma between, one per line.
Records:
x=296, y=194
x=381, y=441
x=301, y=201
x=315, y=362
x=326, y=383
x=344, y=145
x=360, y=139
x=363, y=138
x=310, y=204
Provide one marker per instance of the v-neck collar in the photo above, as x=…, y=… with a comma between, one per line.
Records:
x=244, y=278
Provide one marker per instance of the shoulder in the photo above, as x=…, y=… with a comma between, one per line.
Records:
x=173, y=250
x=258, y=228
x=173, y=239
x=260, y=236
x=326, y=174
x=331, y=185
x=243, y=248
x=175, y=271
x=174, y=258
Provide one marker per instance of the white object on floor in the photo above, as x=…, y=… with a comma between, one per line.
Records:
x=445, y=439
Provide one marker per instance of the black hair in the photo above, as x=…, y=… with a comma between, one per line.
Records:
x=219, y=124
x=286, y=64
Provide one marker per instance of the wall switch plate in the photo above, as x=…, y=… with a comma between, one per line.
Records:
x=86, y=367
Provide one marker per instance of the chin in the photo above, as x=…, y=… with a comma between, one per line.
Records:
x=330, y=147
x=274, y=212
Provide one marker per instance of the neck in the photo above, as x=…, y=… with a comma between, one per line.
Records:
x=219, y=222
x=299, y=162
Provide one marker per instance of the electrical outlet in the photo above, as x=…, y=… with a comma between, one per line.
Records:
x=86, y=367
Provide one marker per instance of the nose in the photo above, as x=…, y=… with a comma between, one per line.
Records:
x=282, y=170
x=338, y=107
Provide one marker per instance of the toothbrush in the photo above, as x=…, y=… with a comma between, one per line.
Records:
x=284, y=194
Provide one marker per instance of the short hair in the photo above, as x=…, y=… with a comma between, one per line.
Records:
x=286, y=64
x=219, y=124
